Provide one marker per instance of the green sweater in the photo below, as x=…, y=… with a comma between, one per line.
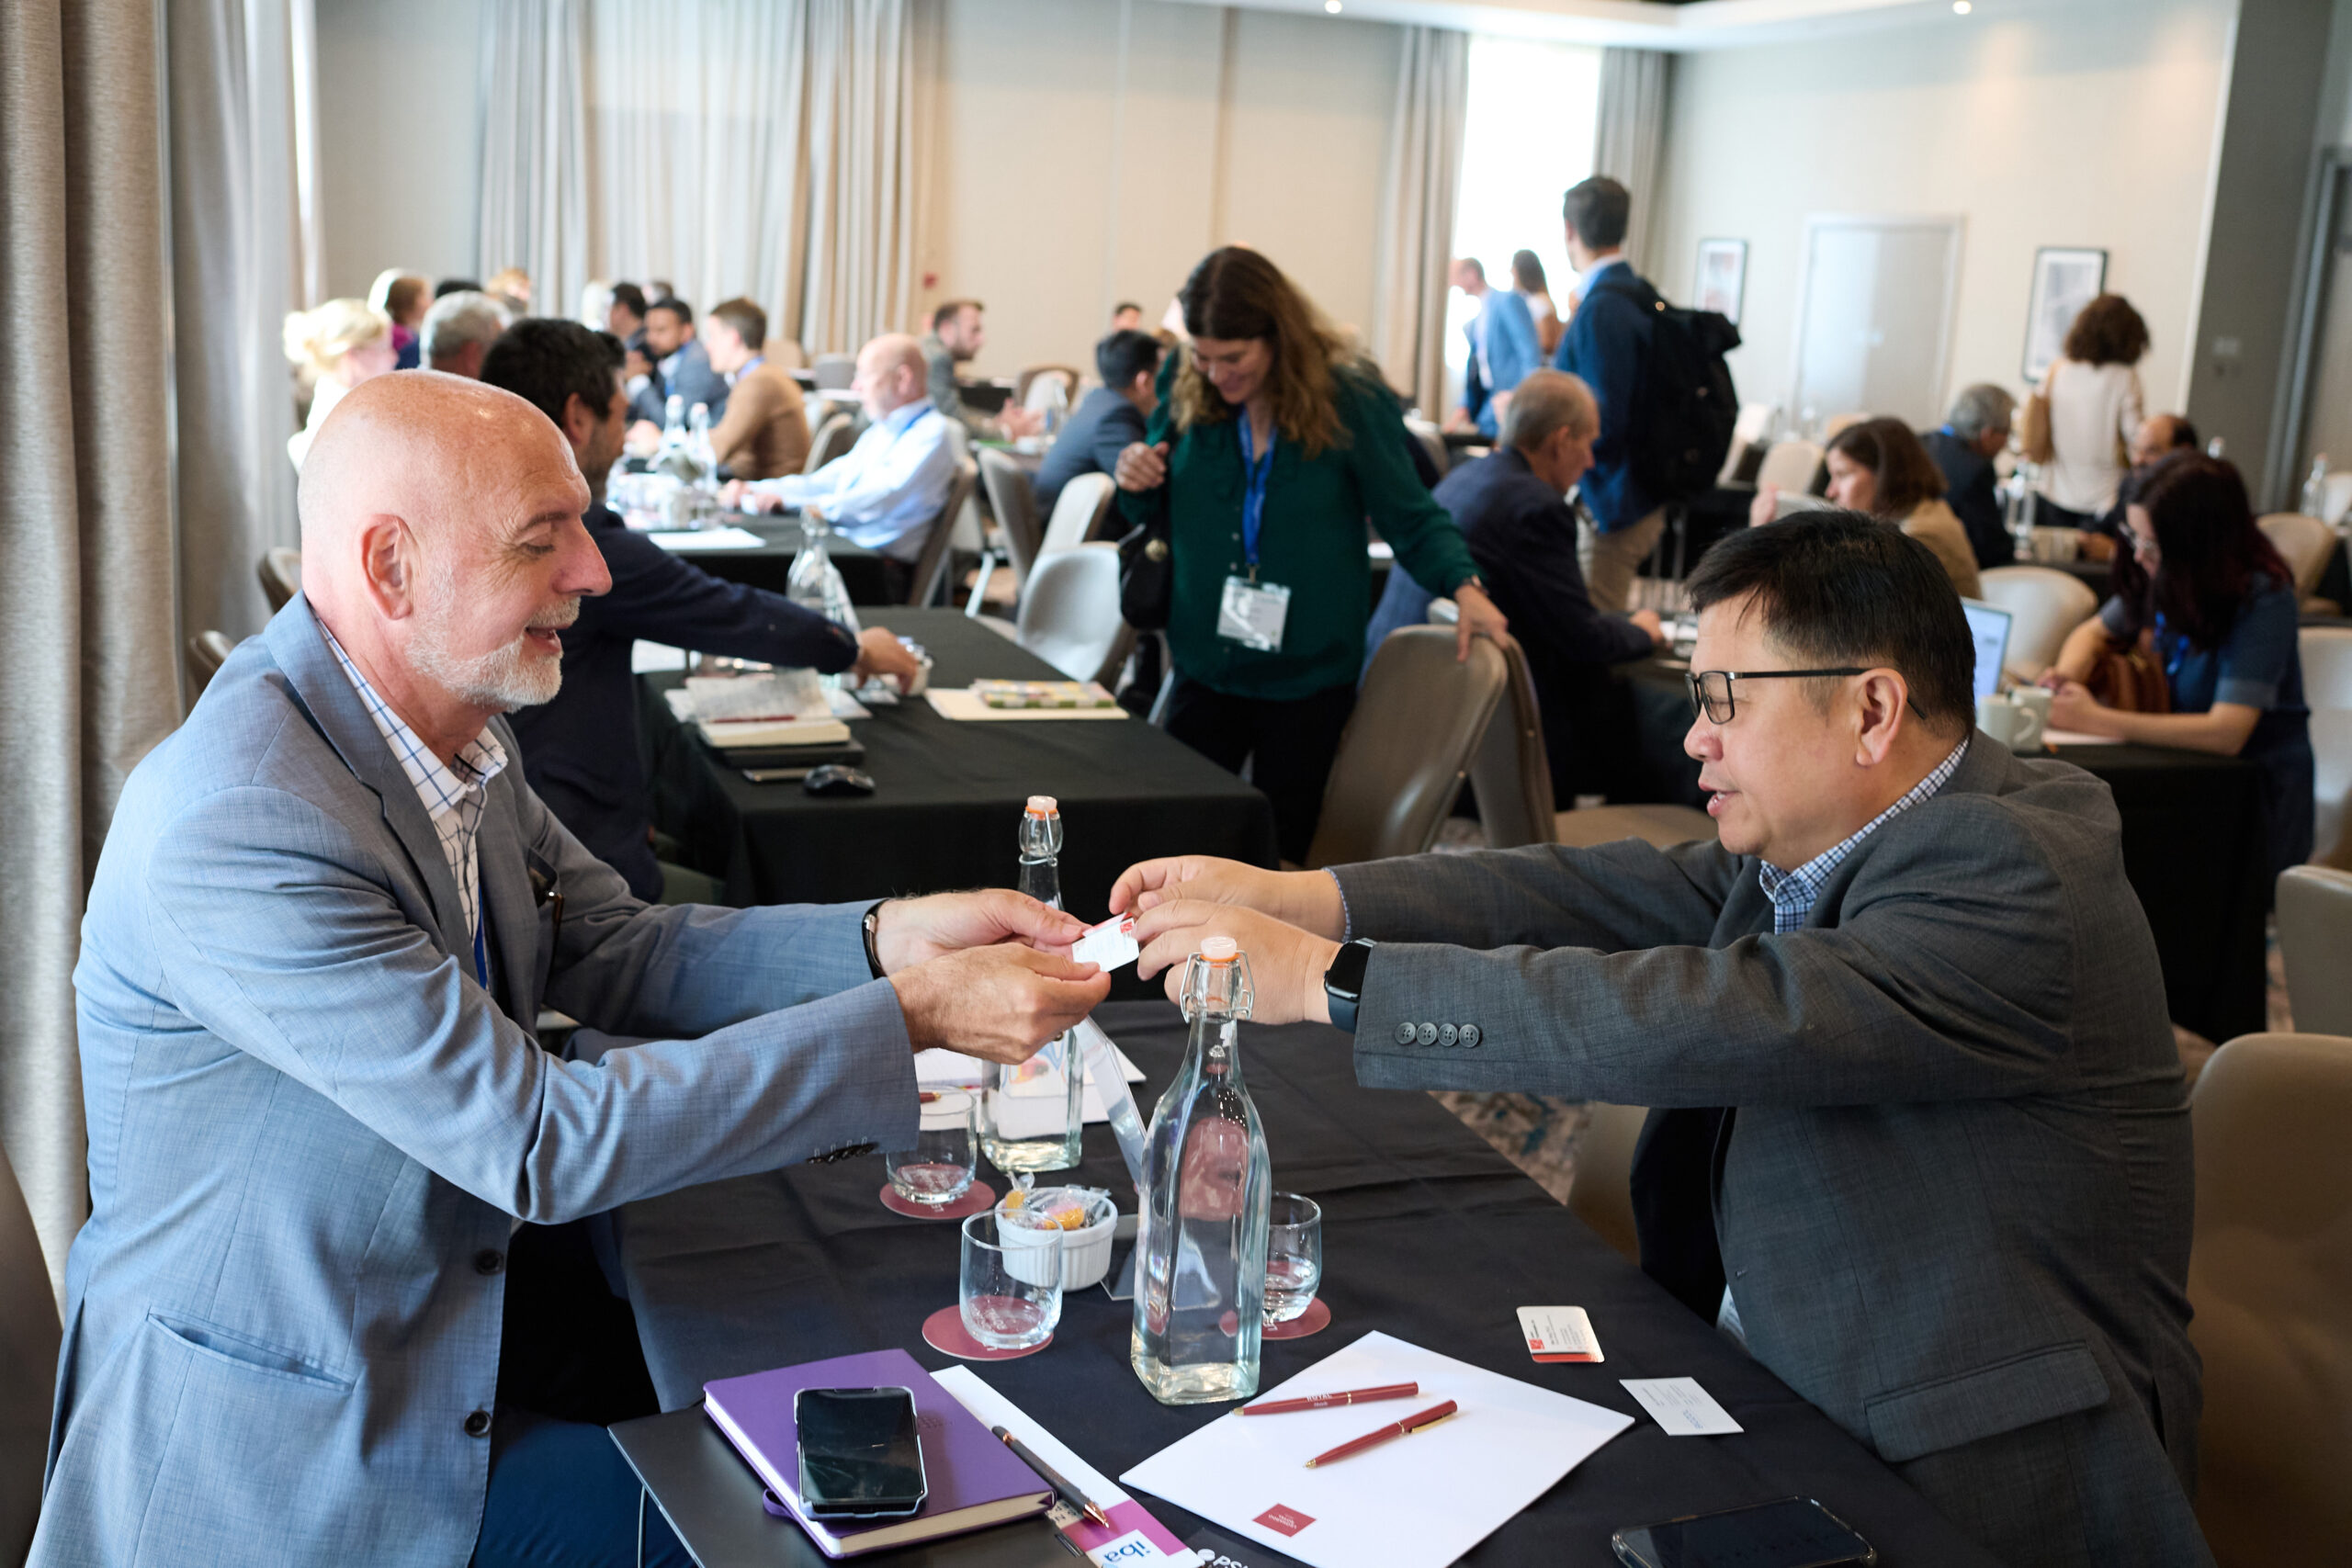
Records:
x=1311, y=541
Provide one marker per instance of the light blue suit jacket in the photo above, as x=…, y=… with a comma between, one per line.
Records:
x=1505, y=329
x=311, y=1130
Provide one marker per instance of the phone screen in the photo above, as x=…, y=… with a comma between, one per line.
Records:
x=860, y=1456
x=1794, y=1532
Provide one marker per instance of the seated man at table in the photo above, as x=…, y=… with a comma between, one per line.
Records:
x=764, y=432
x=957, y=336
x=326, y=917
x=682, y=367
x=1514, y=513
x=1971, y=435
x=882, y=491
x=1107, y=419
x=1919, y=1140
x=595, y=787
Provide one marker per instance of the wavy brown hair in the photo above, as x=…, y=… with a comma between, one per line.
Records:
x=2107, y=332
x=1905, y=474
x=1238, y=294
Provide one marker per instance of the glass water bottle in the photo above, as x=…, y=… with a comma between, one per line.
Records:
x=1201, y=1239
x=1032, y=1116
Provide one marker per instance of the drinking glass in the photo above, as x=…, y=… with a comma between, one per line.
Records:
x=938, y=1170
x=1010, y=1299
x=1294, y=1256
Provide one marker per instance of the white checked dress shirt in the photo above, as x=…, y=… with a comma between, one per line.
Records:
x=452, y=795
x=878, y=492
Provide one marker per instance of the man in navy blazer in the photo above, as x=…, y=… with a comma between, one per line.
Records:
x=326, y=916
x=596, y=787
x=1607, y=346
x=680, y=366
x=1107, y=420
x=1503, y=348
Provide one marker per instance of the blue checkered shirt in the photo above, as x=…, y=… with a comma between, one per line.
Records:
x=1794, y=892
x=452, y=795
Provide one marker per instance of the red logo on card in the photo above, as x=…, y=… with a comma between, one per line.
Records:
x=1284, y=1520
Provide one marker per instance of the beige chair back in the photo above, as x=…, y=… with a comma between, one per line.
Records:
x=834, y=372
x=2306, y=542
x=28, y=1340
x=2269, y=1275
x=1025, y=380
x=1836, y=425
x=931, y=565
x=1013, y=498
x=206, y=652
x=1406, y=749
x=1510, y=772
x=2315, y=942
x=281, y=576
x=1070, y=613
x=785, y=353
x=832, y=439
x=2327, y=653
x=2044, y=606
x=1602, y=1193
x=1079, y=512
x=1790, y=465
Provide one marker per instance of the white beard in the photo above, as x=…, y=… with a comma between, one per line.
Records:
x=515, y=676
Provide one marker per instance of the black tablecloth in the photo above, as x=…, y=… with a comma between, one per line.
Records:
x=947, y=809
x=1429, y=1235
x=769, y=566
x=2194, y=845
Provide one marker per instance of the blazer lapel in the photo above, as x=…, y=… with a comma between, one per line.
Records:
x=508, y=908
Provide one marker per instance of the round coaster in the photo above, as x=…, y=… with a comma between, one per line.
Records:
x=943, y=1331
x=1314, y=1320
x=979, y=1195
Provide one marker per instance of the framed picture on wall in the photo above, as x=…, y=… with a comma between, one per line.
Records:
x=1721, y=278
x=2066, y=279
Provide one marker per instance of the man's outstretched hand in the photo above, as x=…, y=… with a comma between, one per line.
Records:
x=978, y=973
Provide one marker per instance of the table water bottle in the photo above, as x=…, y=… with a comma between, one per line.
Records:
x=1032, y=1116
x=1201, y=1235
x=699, y=450
x=2315, y=490
x=815, y=583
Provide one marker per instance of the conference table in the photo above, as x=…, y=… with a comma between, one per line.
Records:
x=768, y=564
x=2195, y=847
x=1429, y=1235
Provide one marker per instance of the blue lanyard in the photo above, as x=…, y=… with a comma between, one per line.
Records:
x=1256, y=472
x=2179, y=653
x=481, y=958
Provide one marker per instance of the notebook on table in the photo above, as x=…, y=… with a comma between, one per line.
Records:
x=974, y=1480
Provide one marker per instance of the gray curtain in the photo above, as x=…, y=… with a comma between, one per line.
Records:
x=1630, y=146
x=89, y=680
x=868, y=62
x=535, y=145
x=1414, y=240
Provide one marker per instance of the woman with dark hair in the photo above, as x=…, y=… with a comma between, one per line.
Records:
x=2203, y=592
x=1527, y=281
x=1270, y=446
x=2093, y=392
x=1879, y=467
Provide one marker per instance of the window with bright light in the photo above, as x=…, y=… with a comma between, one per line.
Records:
x=1534, y=111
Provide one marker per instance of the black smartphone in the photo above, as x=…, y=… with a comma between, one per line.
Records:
x=1795, y=1532
x=860, y=1456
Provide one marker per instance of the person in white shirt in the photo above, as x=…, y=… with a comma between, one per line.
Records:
x=880, y=492
x=2096, y=407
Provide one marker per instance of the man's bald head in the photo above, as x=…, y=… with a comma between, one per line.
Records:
x=2159, y=436
x=891, y=374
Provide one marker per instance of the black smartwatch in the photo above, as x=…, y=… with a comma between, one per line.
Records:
x=1343, y=981
x=872, y=926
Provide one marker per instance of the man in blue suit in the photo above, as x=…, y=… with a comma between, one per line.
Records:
x=326, y=916
x=1607, y=346
x=1503, y=348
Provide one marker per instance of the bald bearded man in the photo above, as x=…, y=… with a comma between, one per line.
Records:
x=326, y=916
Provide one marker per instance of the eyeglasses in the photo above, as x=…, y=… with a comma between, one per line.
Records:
x=1710, y=689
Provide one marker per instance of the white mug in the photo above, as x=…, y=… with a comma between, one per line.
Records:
x=2015, y=725
x=2038, y=699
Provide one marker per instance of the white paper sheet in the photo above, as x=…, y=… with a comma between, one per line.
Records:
x=935, y=1068
x=687, y=541
x=1419, y=1502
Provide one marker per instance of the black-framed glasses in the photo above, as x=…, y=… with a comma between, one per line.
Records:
x=1711, y=692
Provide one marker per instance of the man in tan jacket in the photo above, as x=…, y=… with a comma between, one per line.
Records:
x=764, y=434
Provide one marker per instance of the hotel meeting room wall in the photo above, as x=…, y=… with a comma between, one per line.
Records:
x=400, y=138
x=2091, y=124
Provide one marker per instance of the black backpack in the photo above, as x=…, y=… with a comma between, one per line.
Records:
x=1681, y=429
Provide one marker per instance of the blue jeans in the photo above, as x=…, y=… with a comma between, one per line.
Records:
x=562, y=1496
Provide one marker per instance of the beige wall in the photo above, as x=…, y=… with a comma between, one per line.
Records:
x=2090, y=125
x=400, y=138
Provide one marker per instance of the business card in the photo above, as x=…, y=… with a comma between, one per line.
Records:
x=1681, y=1407
x=1559, y=1334
x=1110, y=944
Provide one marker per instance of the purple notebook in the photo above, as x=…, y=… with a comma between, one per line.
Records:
x=974, y=1480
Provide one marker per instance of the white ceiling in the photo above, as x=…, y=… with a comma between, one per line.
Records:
x=1647, y=24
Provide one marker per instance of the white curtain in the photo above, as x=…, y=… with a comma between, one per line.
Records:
x=1415, y=237
x=868, y=61
x=534, y=176
x=1630, y=145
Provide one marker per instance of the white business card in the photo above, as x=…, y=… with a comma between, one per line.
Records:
x=1109, y=944
x=1681, y=1407
x=1559, y=1334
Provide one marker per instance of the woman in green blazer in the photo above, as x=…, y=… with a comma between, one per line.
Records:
x=1265, y=515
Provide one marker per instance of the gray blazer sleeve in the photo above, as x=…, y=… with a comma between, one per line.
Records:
x=1618, y=896
x=1949, y=974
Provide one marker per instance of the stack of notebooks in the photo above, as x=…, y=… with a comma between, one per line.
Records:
x=777, y=718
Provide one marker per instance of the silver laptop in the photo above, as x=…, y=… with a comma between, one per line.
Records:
x=1989, y=628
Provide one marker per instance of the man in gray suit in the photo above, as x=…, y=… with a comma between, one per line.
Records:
x=1919, y=1139
x=326, y=918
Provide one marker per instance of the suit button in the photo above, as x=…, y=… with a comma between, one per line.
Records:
x=1447, y=1034
x=478, y=1424
x=489, y=1260
x=1426, y=1034
x=1470, y=1035
x=1404, y=1034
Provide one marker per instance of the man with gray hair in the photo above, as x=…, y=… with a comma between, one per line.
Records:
x=1523, y=533
x=459, y=331
x=1972, y=435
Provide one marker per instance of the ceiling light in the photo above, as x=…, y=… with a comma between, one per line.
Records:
x=1961, y=8
x=1332, y=6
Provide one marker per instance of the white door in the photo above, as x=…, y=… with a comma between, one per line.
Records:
x=1874, y=316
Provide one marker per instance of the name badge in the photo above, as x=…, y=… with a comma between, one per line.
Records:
x=1253, y=614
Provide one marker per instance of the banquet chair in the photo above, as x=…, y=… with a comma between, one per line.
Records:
x=28, y=1340
x=1079, y=512
x=834, y=372
x=2268, y=1274
x=1024, y=382
x=1790, y=465
x=1406, y=747
x=2044, y=606
x=2314, y=934
x=1836, y=425
x=1013, y=499
x=1602, y=1193
x=931, y=565
x=1752, y=428
x=206, y=652
x=1433, y=441
x=2327, y=653
x=281, y=576
x=2306, y=542
x=785, y=353
x=1070, y=612
x=832, y=439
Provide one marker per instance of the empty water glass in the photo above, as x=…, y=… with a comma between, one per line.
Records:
x=1294, y=1256
x=938, y=1170
x=1010, y=1299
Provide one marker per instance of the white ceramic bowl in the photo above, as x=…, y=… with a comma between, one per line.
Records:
x=1086, y=1253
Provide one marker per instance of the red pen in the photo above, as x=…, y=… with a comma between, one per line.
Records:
x=1404, y=1429
x=1325, y=1401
